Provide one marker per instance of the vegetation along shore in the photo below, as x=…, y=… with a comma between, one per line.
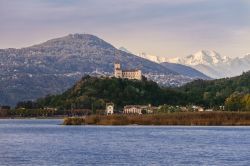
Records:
x=188, y=118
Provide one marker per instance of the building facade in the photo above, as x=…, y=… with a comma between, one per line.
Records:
x=139, y=109
x=132, y=109
x=129, y=74
x=109, y=108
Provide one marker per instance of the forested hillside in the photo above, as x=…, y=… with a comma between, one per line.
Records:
x=216, y=92
x=93, y=93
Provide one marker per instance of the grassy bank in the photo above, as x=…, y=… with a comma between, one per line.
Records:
x=190, y=118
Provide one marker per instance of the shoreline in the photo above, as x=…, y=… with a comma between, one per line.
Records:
x=173, y=119
x=2, y=118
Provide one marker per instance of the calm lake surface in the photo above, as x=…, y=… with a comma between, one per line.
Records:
x=45, y=142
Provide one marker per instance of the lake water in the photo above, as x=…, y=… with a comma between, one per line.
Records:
x=46, y=142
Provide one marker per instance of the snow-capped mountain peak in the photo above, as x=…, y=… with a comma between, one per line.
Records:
x=204, y=57
x=247, y=56
x=157, y=59
x=153, y=58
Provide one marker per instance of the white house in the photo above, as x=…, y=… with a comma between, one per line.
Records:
x=109, y=108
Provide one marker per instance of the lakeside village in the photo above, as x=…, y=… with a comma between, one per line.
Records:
x=134, y=74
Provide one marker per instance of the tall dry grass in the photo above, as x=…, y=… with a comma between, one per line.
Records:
x=189, y=118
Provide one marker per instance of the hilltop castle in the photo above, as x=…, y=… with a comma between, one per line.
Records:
x=129, y=74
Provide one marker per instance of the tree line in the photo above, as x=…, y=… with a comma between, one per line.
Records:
x=93, y=93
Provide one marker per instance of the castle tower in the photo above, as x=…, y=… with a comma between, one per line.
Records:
x=117, y=65
x=117, y=70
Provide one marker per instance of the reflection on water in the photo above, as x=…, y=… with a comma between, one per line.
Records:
x=46, y=142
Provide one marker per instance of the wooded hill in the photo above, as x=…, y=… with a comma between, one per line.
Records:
x=93, y=93
x=215, y=92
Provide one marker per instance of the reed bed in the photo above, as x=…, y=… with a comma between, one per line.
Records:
x=189, y=118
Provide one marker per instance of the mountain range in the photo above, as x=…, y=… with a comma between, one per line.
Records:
x=208, y=62
x=54, y=66
x=181, y=69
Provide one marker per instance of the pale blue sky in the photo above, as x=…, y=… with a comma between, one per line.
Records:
x=161, y=27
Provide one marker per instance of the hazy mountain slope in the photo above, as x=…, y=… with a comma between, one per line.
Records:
x=210, y=71
x=185, y=70
x=153, y=58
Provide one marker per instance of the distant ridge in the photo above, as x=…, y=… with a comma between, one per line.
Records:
x=55, y=65
x=185, y=70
